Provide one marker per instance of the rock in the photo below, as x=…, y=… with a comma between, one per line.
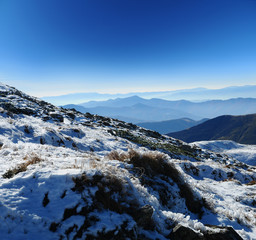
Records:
x=16, y=110
x=213, y=232
x=143, y=217
x=181, y=232
x=71, y=115
x=221, y=233
x=46, y=118
x=57, y=117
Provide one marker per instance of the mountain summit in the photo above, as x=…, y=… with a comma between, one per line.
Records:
x=68, y=175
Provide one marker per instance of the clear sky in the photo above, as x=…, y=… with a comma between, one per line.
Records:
x=53, y=47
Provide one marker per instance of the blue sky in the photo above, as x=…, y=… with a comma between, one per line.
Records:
x=54, y=47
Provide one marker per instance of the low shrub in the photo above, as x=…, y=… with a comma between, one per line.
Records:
x=156, y=163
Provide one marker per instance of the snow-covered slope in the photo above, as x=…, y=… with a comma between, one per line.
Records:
x=242, y=152
x=67, y=175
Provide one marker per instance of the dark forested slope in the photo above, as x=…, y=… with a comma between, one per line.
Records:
x=241, y=129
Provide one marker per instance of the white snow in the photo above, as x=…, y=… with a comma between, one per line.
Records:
x=242, y=152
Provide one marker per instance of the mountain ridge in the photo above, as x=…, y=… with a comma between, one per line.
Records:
x=162, y=110
x=241, y=129
x=138, y=111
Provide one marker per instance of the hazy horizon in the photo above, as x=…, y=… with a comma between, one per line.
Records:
x=135, y=92
x=194, y=95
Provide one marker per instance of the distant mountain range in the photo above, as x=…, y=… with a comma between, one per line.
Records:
x=136, y=110
x=135, y=113
x=175, y=125
x=196, y=94
x=241, y=129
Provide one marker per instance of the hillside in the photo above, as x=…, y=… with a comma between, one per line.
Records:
x=242, y=152
x=169, y=126
x=68, y=175
x=241, y=129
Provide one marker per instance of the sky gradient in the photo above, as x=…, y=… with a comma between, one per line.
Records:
x=54, y=47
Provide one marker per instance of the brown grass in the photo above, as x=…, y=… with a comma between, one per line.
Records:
x=114, y=155
x=253, y=182
x=21, y=167
x=155, y=163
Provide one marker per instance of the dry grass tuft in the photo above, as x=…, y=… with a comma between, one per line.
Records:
x=22, y=167
x=253, y=182
x=156, y=163
x=115, y=155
